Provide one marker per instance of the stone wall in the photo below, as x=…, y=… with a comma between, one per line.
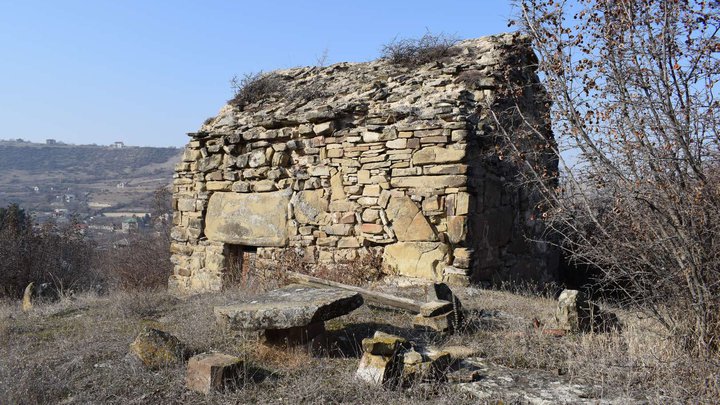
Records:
x=354, y=158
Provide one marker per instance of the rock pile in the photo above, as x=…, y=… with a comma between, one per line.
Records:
x=379, y=158
x=392, y=361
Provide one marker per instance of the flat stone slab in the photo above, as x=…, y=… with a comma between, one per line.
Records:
x=289, y=307
x=497, y=384
x=251, y=219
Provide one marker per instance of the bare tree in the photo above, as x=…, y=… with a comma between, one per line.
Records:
x=632, y=86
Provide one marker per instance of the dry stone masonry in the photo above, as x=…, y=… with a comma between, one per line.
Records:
x=368, y=158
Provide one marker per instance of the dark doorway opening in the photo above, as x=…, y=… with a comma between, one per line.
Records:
x=240, y=262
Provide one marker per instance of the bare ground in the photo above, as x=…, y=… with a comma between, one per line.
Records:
x=76, y=351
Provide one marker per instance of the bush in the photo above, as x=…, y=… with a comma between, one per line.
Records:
x=50, y=253
x=253, y=87
x=413, y=52
x=633, y=96
x=142, y=264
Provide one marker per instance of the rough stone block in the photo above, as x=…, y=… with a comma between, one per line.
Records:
x=442, y=323
x=248, y=219
x=408, y=222
x=379, y=370
x=416, y=259
x=384, y=344
x=288, y=307
x=308, y=205
x=157, y=349
x=214, y=372
x=436, y=154
x=442, y=181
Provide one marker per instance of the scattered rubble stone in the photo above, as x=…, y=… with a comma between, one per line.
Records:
x=384, y=344
x=208, y=372
x=157, y=349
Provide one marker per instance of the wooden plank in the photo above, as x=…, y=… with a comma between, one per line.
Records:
x=392, y=301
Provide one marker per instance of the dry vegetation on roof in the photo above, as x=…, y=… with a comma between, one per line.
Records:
x=413, y=52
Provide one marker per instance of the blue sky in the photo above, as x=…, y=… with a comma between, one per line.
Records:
x=147, y=72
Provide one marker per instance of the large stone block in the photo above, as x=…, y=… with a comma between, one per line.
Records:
x=258, y=219
x=443, y=181
x=436, y=154
x=416, y=259
x=309, y=204
x=408, y=222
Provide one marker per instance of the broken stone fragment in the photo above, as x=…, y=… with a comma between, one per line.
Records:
x=433, y=366
x=157, y=349
x=434, y=308
x=441, y=292
x=27, y=298
x=456, y=276
x=575, y=313
x=383, y=344
x=214, y=372
x=443, y=323
x=458, y=352
x=379, y=370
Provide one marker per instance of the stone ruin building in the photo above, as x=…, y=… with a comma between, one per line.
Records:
x=360, y=158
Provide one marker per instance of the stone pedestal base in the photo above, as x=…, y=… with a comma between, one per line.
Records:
x=297, y=336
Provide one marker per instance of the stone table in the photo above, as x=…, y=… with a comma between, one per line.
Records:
x=291, y=315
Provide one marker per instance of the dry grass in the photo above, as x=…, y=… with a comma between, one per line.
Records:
x=75, y=351
x=414, y=52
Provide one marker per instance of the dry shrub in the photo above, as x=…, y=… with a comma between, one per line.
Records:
x=53, y=253
x=273, y=272
x=144, y=263
x=413, y=52
x=253, y=87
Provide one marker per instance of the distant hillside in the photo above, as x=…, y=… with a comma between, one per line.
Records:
x=84, y=179
x=96, y=160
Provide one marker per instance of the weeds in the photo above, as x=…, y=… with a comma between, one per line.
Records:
x=253, y=87
x=414, y=52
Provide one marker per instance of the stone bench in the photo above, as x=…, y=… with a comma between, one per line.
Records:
x=291, y=315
